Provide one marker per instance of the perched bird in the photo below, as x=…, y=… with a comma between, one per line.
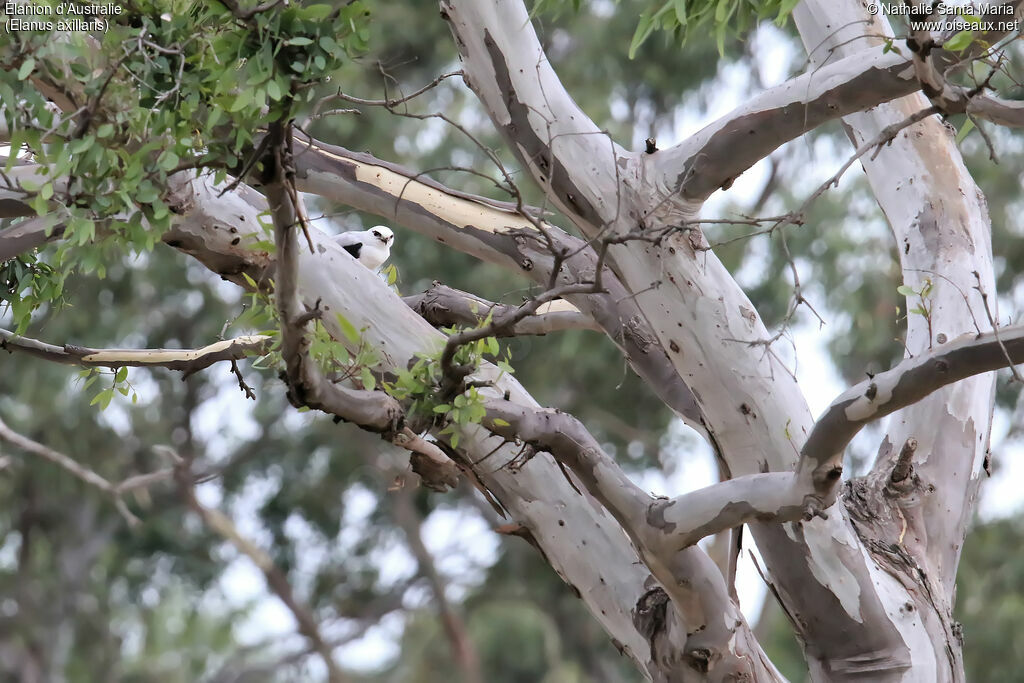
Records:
x=371, y=247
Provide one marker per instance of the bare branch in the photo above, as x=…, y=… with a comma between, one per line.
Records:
x=85, y=474
x=276, y=579
x=715, y=156
x=687, y=576
x=443, y=306
x=782, y=496
x=409, y=520
x=371, y=410
x=187, y=361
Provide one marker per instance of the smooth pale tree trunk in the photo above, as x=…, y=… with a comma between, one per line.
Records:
x=864, y=569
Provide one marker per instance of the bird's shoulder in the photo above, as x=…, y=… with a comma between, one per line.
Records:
x=351, y=237
x=354, y=248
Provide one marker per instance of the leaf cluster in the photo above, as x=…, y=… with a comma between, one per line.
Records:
x=119, y=384
x=421, y=386
x=169, y=87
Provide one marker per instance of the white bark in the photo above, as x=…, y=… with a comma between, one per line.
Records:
x=754, y=408
x=940, y=222
x=568, y=530
x=494, y=233
x=846, y=578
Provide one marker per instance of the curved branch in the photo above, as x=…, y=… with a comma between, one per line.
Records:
x=372, y=410
x=715, y=629
x=493, y=232
x=716, y=155
x=790, y=496
x=506, y=67
x=84, y=474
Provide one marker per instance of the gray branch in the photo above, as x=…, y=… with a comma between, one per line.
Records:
x=187, y=361
x=443, y=306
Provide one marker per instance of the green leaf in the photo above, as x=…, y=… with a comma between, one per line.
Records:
x=298, y=40
x=328, y=44
x=906, y=290
x=369, y=381
x=643, y=31
x=965, y=130
x=680, y=7
x=959, y=41
x=121, y=374
x=103, y=398
x=243, y=100
x=26, y=68
x=168, y=161
x=443, y=408
x=316, y=12
x=498, y=422
x=348, y=329
x=723, y=11
x=274, y=90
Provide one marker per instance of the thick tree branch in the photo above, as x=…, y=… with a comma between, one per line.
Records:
x=483, y=228
x=27, y=234
x=494, y=233
x=508, y=62
x=535, y=494
x=663, y=526
x=902, y=386
x=372, y=410
x=715, y=156
x=942, y=230
x=687, y=575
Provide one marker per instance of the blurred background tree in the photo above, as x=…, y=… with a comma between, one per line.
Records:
x=83, y=597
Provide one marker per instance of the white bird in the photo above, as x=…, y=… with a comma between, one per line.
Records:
x=370, y=247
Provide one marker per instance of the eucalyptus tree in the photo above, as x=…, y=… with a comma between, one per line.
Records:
x=864, y=568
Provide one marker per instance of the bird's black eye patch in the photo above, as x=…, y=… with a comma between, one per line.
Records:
x=376, y=234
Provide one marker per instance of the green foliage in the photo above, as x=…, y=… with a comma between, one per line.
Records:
x=965, y=38
x=684, y=19
x=990, y=601
x=119, y=384
x=924, y=295
x=28, y=282
x=173, y=86
x=420, y=385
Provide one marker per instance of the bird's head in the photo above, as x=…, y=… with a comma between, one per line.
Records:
x=383, y=233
